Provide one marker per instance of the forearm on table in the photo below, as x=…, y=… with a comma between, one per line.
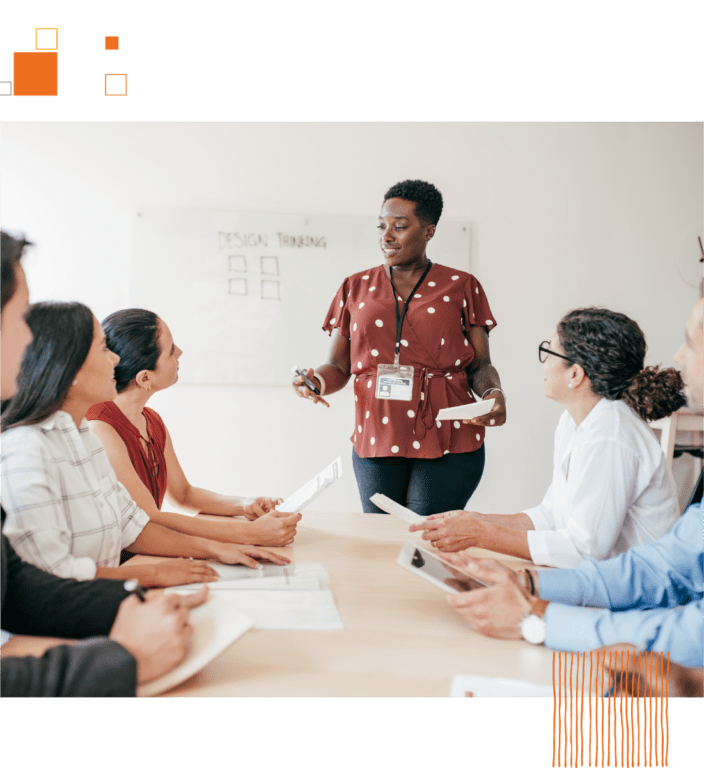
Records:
x=208, y=502
x=506, y=541
x=232, y=531
x=146, y=574
x=157, y=540
x=517, y=522
x=483, y=378
x=335, y=377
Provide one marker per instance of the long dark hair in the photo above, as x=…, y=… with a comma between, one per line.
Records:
x=11, y=251
x=63, y=334
x=133, y=335
x=611, y=348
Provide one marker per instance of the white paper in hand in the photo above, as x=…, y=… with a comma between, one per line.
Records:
x=303, y=496
x=389, y=505
x=468, y=411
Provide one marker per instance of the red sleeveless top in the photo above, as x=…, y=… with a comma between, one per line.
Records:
x=147, y=457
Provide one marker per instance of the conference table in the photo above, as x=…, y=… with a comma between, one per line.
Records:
x=400, y=636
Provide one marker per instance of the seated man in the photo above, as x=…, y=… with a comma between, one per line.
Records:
x=543, y=606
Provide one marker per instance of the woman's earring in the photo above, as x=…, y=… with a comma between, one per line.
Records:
x=75, y=381
x=570, y=385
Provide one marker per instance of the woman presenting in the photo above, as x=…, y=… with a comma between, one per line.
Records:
x=416, y=337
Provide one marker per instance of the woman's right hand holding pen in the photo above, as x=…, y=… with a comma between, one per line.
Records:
x=302, y=390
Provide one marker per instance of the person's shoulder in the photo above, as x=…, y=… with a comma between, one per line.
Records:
x=29, y=437
x=464, y=279
x=618, y=422
x=373, y=273
x=100, y=411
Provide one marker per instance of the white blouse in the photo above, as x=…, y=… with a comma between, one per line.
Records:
x=67, y=513
x=611, y=489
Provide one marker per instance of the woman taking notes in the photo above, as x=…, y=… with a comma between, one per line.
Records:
x=141, y=451
x=611, y=486
x=415, y=335
x=66, y=511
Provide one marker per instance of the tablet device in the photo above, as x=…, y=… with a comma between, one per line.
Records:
x=467, y=411
x=435, y=570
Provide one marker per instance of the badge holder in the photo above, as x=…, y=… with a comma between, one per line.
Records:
x=394, y=382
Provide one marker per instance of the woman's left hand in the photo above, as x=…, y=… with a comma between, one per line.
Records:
x=452, y=531
x=255, y=508
x=496, y=416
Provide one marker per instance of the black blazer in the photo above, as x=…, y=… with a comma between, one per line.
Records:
x=35, y=602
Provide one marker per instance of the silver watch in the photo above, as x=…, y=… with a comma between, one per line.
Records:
x=533, y=628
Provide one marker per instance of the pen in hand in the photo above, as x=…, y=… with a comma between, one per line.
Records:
x=132, y=586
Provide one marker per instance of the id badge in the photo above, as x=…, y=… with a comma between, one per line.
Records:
x=394, y=382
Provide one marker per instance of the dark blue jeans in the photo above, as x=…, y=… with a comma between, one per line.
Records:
x=427, y=486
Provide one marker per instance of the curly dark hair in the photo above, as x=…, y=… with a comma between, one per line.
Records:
x=611, y=348
x=425, y=195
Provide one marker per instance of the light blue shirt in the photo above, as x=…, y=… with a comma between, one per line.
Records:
x=666, y=577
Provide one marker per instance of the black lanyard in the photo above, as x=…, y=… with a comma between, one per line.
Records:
x=400, y=315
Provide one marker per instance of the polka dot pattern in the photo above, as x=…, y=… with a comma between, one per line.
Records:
x=363, y=311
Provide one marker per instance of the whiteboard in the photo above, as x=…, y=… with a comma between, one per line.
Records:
x=245, y=294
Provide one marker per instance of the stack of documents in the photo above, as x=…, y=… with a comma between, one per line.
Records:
x=276, y=596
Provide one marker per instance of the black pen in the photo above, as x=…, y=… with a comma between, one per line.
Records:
x=132, y=586
x=306, y=380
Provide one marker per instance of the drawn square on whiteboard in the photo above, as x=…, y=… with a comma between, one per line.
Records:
x=270, y=290
x=270, y=265
x=238, y=286
x=237, y=263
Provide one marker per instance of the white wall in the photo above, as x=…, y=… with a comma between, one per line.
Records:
x=562, y=215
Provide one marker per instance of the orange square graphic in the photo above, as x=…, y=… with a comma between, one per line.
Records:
x=105, y=83
x=47, y=29
x=112, y=43
x=36, y=74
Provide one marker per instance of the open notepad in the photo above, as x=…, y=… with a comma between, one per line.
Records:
x=303, y=496
x=216, y=625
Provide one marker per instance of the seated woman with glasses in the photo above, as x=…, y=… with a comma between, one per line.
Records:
x=66, y=511
x=141, y=451
x=611, y=487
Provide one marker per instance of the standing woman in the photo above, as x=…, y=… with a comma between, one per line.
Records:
x=416, y=337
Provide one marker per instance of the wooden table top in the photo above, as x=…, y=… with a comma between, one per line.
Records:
x=400, y=636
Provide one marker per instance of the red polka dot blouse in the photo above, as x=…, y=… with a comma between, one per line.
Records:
x=434, y=341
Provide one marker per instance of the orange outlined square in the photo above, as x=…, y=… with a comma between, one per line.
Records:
x=36, y=74
x=112, y=43
x=116, y=85
x=105, y=83
x=36, y=38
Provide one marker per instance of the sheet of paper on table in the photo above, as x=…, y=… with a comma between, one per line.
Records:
x=303, y=496
x=476, y=685
x=216, y=625
x=280, y=609
x=305, y=576
x=468, y=411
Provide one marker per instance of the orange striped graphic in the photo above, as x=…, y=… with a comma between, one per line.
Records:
x=614, y=678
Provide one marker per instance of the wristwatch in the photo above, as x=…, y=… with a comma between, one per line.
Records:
x=532, y=625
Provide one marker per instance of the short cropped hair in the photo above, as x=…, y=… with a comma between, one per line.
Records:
x=425, y=195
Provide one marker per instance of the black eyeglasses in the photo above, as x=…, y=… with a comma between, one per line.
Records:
x=544, y=350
